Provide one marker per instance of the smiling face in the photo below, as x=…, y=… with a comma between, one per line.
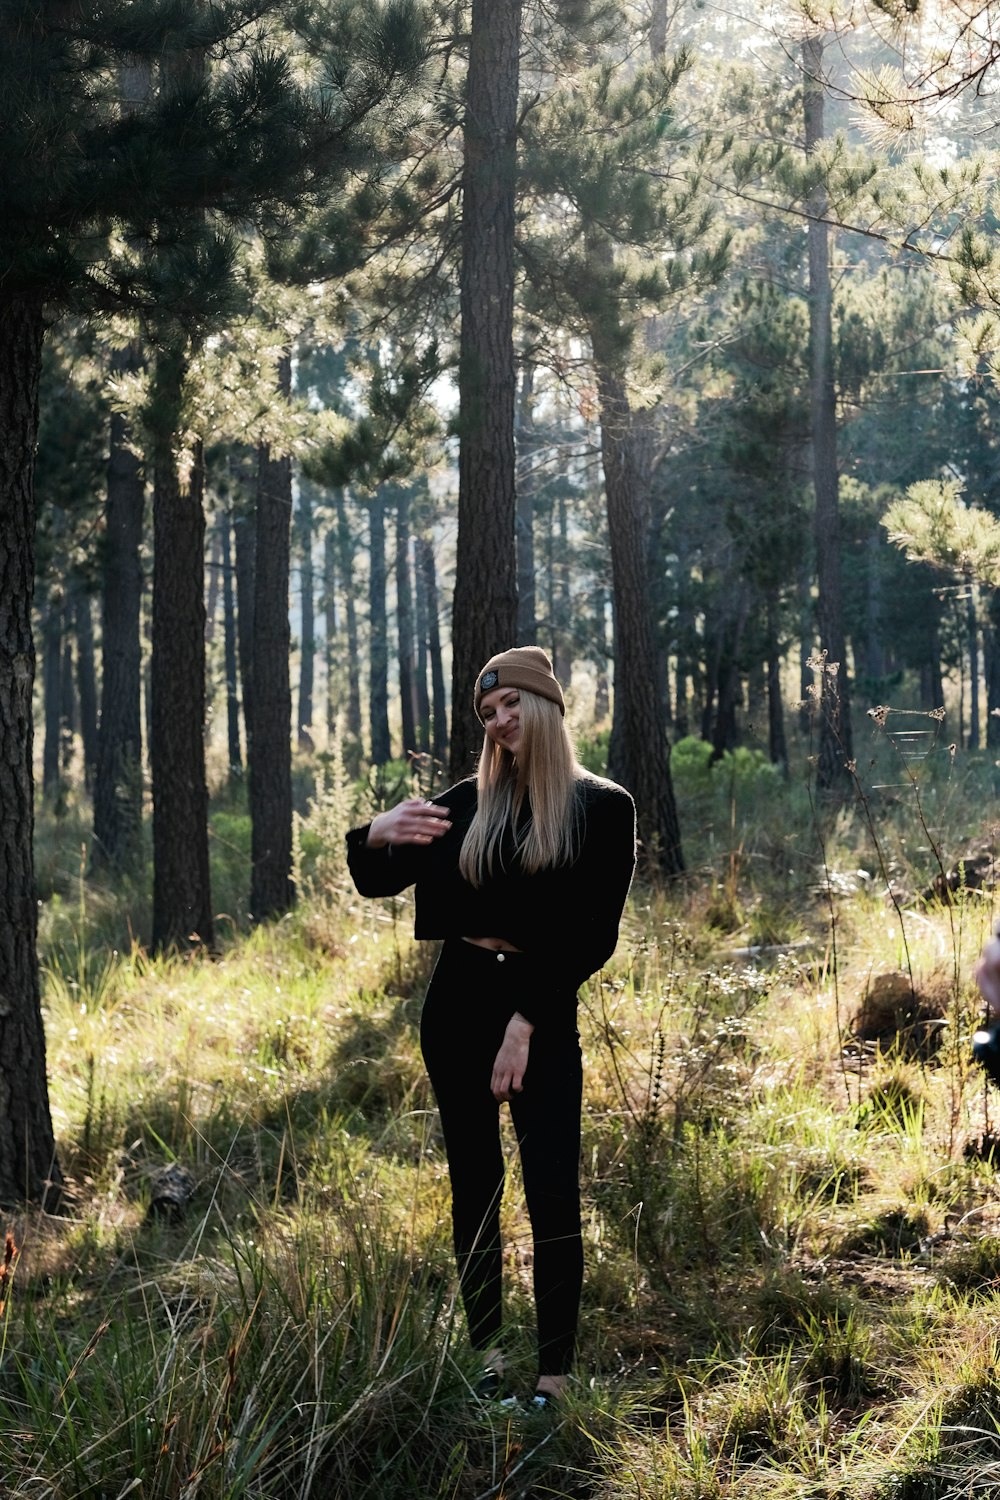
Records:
x=500, y=711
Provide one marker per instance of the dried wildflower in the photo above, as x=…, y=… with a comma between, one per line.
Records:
x=880, y=713
x=937, y=714
x=832, y=667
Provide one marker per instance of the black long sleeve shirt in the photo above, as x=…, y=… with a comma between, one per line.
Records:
x=565, y=917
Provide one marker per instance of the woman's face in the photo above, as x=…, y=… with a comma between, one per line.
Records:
x=501, y=714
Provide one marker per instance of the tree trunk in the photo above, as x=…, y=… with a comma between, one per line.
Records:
x=562, y=631
x=67, y=697
x=52, y=695
x=639, y=735
x=484, y=616
x=245, y=570
x=602, y=692
x=439, y=712
x=404, y=626
x=378, y=631
x=331, y=632
x=835, y=741
x=991, y=665
x=972, y=633
x=118, y=782
x=229, y=645
x=307, y=652
x=777, y=743
x=86, y=681
x=272, y=891
x=28, y=1165
x=527, y=457
x=182, y=902
x=423, y=697
x=353, y=748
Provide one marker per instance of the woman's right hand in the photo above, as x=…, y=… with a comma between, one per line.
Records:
x=411, y=822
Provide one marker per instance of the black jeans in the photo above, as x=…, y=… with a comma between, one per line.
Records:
x=471, y=997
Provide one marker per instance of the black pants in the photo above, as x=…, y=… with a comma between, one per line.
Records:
x=471, y=998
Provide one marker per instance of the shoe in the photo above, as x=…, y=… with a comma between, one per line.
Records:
x=488, y=1386
x=542, y=1401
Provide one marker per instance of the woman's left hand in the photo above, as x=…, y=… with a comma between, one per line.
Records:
x=512, y=1059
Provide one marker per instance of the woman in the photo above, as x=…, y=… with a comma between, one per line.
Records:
x=523, y=870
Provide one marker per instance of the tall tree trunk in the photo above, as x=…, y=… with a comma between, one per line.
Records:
x=67, y=697
x=835, y=741
x=52, y=695
x=972, y=633
x=307, y=652
x=245, y=571
x=484, y=616
x=378, y=631
x=353, y=748
x=272, y=891
x=639, y=734
x=182, y=902
x=991, y=665
x=118, y=782
x=527, y=485
x=404, y=626
x=777, y=743
x=423, y=697
x=439, y=711
x=602, y=691
x=28, y=1165
x=229, y=645
x=86, y=681
x=331, y=632
x=562, y=632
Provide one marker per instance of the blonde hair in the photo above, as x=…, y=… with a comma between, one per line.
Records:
x=545, y=773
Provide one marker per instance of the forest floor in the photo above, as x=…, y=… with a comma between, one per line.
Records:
x=792, y=1214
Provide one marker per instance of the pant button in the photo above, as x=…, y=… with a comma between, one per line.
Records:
x=500, y=957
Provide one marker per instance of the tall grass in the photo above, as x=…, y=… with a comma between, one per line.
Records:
x=791, y=1283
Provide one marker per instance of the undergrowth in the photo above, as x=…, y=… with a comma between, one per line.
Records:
x=792, y=1217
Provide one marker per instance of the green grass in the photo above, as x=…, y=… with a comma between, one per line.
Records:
x=792, y=1234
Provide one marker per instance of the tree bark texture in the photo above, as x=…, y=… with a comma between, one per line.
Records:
x=484, y=615
x=835, y=741
x=404, y=626
x=527, y=457
x=52, y=695
x=345, y=555
x=272, y=891
x=331, y=631
x=439, y=712
x=421, y=690
x=86, y=680
x=777, y=743
x=229, y=649
x=118, y=779
x=28, y=1165
x=182, y=902
x=307, y=651
x=378, y=635
x=639, y=739
x=991, y=667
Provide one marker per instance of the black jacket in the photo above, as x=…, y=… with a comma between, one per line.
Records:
x=565, y=917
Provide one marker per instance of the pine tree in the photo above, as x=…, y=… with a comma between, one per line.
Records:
x=223, y=147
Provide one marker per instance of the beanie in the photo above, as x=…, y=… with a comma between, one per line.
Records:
x=525, y=667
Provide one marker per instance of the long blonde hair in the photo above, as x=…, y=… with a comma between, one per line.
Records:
x=546, y=773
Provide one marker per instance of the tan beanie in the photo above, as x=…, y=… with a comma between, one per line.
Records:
x=525, y=667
